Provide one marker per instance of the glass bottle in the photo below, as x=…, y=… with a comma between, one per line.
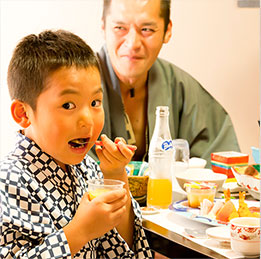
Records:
x=159, y=193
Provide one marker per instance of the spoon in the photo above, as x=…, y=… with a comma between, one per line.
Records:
x=100, y=143
x=198, y=233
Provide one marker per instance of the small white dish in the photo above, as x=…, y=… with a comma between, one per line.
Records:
x=221, y=234
x=149, y=211
x=196, y=162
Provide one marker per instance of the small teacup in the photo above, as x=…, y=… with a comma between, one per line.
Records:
x=245, y=235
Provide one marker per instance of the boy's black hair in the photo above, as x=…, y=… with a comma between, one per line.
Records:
x=37, y=56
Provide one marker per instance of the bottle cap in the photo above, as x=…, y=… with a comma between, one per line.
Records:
x=162, y=110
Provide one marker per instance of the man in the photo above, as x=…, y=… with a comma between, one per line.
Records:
x=136, y=81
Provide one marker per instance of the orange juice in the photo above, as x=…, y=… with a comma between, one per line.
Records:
x=97, y=192
x=159, y=193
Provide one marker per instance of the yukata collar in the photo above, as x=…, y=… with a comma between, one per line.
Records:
x=29, y=150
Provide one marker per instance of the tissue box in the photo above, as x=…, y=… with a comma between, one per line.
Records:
x=223, y=161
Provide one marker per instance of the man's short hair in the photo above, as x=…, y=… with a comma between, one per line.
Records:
x=164, y=11
x=36, y=57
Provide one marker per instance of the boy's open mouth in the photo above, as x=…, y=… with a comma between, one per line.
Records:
x=78, y=143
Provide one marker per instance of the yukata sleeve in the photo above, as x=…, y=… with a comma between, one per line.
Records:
x=205, y=123
x=26, y=228
x=112, y=245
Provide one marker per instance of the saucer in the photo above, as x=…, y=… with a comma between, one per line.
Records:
x=149, y=211
x=221, y=234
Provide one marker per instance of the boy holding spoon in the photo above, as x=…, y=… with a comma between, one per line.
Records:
x=55, y=86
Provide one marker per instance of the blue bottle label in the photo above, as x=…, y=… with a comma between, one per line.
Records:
x=166, y=145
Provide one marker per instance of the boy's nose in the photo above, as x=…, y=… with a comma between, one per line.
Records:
x=132, y=39
x=85, y=120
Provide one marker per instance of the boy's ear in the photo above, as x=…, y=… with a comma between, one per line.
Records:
x=18, y=110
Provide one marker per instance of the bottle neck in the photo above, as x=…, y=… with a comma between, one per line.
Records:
x=162, y=127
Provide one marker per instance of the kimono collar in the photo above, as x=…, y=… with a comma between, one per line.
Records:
x=29, y=150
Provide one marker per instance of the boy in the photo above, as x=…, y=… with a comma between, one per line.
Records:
x=55, y=85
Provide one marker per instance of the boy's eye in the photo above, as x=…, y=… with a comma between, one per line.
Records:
x=96, y=103
x=68, y=106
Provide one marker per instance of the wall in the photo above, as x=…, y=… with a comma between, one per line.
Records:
x=215, y=41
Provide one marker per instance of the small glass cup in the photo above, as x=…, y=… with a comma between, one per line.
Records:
x=181, y=150
x=198, y=191
x=98, y=186
x=180, y=160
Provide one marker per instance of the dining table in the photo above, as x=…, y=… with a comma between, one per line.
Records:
x=175, y=236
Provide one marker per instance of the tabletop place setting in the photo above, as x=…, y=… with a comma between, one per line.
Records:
x=216, y=208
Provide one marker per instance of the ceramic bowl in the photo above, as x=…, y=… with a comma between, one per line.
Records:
x=251, y=183
x=200, y=175
x=245, y=235
x=196, y=162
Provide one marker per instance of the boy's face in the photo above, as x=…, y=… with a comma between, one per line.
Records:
x=69, y=115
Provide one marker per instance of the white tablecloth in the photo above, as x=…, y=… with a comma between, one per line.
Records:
x=177, y=223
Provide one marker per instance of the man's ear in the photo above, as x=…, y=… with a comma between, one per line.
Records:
x=168, y=33
x=18, y=111
x=103, y=27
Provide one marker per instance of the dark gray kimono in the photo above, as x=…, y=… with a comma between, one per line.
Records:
x=194, y=114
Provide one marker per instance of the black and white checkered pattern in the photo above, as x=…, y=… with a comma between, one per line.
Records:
x=38, y=199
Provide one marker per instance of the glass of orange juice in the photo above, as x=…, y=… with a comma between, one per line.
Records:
x=159, y=193
x=99, y=186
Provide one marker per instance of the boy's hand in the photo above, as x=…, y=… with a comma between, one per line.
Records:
x=114, y=156
x=94, y=218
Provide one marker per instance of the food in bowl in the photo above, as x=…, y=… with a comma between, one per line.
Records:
x=198, y=191
x=252, y=170
x=251, y=183
x=138, y=185
x=200, y=175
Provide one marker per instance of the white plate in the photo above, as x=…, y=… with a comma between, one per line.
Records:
x=222, y=234
x=181, y=208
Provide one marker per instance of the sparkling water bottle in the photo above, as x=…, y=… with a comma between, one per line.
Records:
x=160, y=162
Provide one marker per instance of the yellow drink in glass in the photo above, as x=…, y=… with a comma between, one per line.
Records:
x=97, y=192
x=159, y=193
x=98, y=186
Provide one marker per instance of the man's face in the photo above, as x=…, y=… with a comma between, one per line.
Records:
x=69, y=115
x=134, y=34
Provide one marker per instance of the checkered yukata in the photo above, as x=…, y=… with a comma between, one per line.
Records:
x=38, y=199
